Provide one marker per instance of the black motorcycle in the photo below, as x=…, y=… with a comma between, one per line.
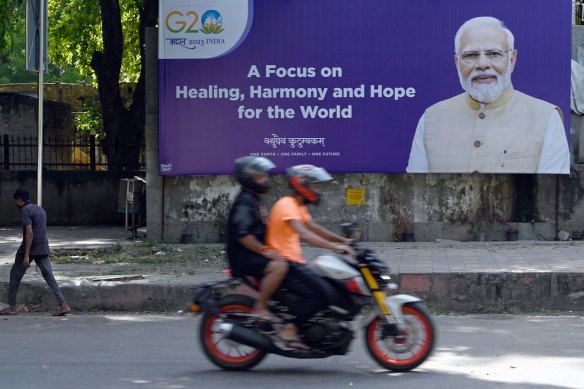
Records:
x=398, y=330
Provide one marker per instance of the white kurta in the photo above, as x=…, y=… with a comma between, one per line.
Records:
x=515, y=134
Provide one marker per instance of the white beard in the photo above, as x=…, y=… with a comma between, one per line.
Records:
x=486, y=93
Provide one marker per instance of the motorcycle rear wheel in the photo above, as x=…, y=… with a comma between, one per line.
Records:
x=408, y=351
x=223, y=352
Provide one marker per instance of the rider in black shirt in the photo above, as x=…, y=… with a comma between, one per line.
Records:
x=246, y=249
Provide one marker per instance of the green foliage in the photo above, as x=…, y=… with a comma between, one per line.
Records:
x=131, y=60
x=76, y=28
x=13, y=50
x=89, y=120
x=12, y=62
x=74, y=34
x=11, y=16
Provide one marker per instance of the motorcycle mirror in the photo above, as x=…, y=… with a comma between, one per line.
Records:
x=347, y=229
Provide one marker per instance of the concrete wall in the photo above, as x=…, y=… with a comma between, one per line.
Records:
x=441, y=206
x=18, y=116
x=70, y=198
x=71, y=94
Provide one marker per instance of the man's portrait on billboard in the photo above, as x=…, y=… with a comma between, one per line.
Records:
x=491, y=127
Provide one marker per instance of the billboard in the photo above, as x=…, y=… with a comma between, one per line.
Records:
x=363, y=86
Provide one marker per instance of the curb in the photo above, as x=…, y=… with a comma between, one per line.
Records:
x=146, y=294
x=484, y=292
x=460, y=292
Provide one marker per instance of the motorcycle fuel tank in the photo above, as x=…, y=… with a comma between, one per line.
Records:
x=331, y=266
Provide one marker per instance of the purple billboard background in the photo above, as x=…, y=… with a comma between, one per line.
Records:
x=395, y=44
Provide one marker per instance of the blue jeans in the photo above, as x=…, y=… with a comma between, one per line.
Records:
x=18, y=270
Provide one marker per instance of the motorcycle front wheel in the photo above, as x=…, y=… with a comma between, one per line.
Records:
x=223, y=352
x=406, y=350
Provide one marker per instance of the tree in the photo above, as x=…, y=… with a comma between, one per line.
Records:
x=104, y=40
x=9, y=21
x=12, y=51
x=117, y=55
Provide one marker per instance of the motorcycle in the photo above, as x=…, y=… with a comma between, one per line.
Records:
x=398, y=330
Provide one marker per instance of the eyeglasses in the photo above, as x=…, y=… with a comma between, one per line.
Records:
x=495, y=56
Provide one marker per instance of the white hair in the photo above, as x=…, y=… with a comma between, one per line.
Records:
x=482, y=21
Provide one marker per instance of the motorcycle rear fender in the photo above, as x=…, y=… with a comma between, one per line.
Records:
x=395, y=304
x=201, y=291
x=206, y=296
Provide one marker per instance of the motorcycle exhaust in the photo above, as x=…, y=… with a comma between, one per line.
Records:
x=248, y=337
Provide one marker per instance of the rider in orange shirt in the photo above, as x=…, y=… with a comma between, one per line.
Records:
x=288, y=225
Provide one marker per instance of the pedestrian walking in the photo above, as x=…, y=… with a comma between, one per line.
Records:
x=34, y=247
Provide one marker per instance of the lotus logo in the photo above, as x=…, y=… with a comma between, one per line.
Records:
x=212, y=22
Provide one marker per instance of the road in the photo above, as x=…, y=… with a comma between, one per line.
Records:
x=160, y=351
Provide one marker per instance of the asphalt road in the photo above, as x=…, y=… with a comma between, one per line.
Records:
x=160, y=351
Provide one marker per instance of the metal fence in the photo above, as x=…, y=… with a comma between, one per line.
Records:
x=59, y=153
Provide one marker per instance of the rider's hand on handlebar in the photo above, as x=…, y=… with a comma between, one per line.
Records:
x=345, y=249
x=348, y=241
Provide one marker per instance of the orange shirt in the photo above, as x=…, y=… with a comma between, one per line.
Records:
x=280, y=235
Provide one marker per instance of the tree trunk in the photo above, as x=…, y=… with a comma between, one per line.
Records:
x=123, y=127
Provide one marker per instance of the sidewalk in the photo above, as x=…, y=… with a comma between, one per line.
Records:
x=449, y=275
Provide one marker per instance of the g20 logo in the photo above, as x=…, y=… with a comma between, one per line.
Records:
x=177, y=22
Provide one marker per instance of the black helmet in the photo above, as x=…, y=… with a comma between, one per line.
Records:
x=300, y=176
x=247, y=167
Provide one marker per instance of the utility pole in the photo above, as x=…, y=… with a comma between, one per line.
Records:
x=36, y=46
x=41, y=98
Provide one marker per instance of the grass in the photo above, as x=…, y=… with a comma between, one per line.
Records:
x=146, y=257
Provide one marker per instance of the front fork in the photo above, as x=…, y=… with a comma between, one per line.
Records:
x=389, y=306
x=393, y=306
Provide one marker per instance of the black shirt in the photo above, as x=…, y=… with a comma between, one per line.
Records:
x=244, y=219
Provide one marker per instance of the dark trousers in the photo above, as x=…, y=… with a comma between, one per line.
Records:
x=18, y=270
x=315, y=290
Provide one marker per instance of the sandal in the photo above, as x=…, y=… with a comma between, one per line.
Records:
x=293, y=344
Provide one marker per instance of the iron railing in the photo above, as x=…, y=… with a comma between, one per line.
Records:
x=59, y=153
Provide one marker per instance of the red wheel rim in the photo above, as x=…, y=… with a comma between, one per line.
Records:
x=414, y=352
x=224, y=349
